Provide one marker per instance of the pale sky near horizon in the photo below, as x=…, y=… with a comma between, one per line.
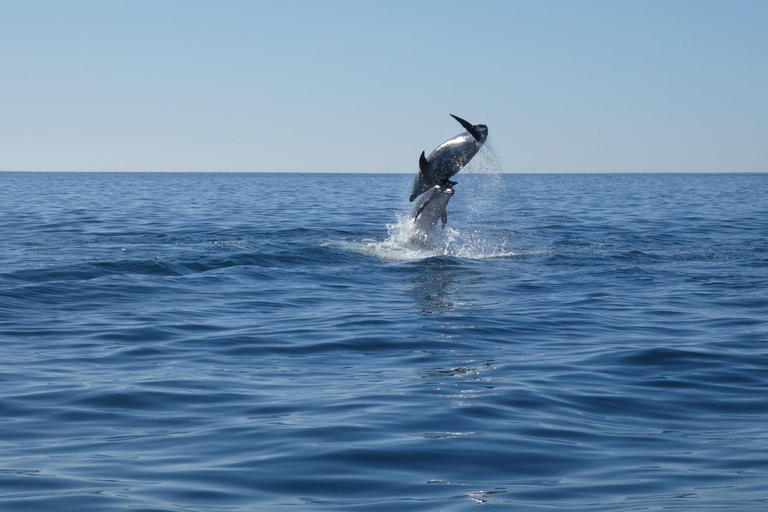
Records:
x=365, y=86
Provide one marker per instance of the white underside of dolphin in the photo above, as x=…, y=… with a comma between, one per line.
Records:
x=448, y=158
x=431, y=208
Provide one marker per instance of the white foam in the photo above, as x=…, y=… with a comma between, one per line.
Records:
x=405, y=243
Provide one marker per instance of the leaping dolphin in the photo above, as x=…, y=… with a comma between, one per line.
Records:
x=431, y=208
x=448, y=158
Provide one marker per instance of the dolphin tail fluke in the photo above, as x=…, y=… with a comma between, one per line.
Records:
x=469, y=127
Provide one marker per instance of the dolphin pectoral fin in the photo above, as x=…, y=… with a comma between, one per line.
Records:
x=421, y=209
x=469, y=127
x=423, y=162
x=444, y=218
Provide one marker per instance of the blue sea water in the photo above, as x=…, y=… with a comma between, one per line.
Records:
x=266, y=342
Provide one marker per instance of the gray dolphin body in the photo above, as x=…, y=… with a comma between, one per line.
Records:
x=431, y=208
x=448, y=158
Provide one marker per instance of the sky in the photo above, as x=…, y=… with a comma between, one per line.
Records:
x=366, y=86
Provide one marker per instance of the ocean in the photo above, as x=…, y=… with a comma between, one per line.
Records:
x=268, y=342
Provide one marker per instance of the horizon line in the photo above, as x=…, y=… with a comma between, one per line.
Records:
x=372, y=173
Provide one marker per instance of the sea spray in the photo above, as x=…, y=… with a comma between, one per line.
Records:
x=481, y=182
x=404, y=243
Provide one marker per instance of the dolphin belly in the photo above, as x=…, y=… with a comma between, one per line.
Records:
x=430, y=209
x=452, y=155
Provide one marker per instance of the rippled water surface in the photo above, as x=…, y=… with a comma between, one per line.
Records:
x=244, y=342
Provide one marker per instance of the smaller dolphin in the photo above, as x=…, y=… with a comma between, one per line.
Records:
x=431, y=208
x=449, y=157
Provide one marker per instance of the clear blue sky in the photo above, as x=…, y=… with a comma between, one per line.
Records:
x=365, y=86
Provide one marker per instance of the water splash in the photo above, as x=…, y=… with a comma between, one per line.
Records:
x=481, y=187
x=405, y=242
x=481, y=182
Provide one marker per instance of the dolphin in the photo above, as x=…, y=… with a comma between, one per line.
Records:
x=431, y=208
x=449, y=157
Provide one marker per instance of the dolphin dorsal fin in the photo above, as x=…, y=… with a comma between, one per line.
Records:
x=423, y=162
x=469, y=127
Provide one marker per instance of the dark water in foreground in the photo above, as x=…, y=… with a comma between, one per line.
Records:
x=249, y=342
